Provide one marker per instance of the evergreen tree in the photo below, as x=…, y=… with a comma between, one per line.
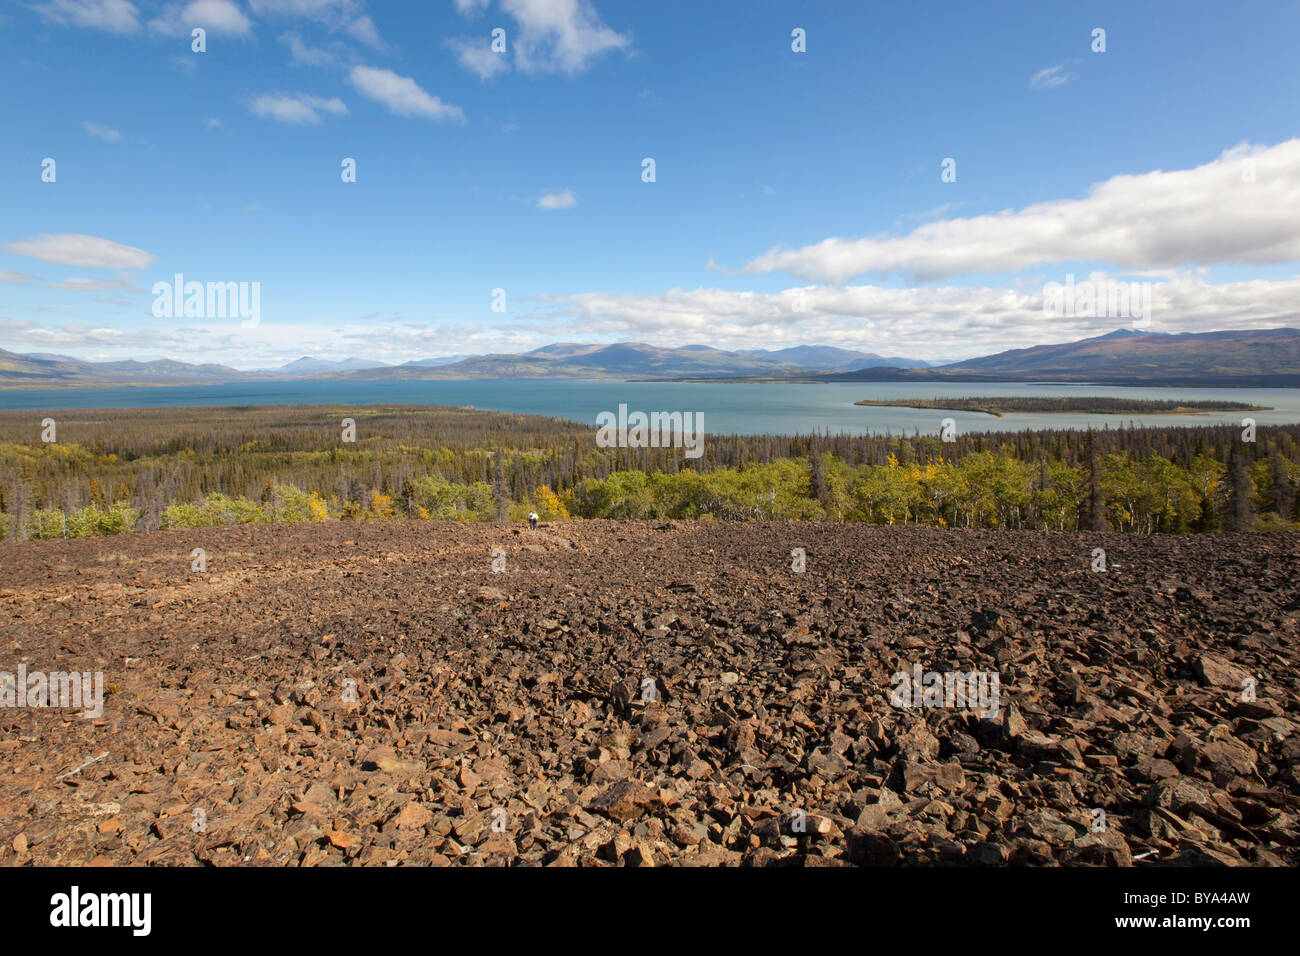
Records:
x=500, y=493
x=1282, y=492
x=820, y=490
x=1096, y=517
x=1241, y=509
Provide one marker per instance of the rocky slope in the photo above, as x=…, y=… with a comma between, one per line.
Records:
x=650, y=694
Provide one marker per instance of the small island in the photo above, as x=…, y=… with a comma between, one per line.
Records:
x=1076, y=404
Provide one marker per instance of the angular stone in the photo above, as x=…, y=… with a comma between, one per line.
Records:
x=865, y=848
x=412, y=816
x=624, y=800
x=1215, y=671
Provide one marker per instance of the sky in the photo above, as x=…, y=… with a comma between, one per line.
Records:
x=913, y=180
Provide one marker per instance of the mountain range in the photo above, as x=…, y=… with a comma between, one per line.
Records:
x=1269, y=357
x=1260, y=357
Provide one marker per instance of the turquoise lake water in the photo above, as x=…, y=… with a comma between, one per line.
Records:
x=746, y=409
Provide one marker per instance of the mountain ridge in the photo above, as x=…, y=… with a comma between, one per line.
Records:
x=1264, y=357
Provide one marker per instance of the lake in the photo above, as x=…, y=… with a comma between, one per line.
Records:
x=747, y=409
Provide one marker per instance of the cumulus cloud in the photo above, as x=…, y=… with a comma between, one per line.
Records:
x=560, y=35
x=1240, y=208
x=363, y=29
x=303, y=55
x=105, y=133
x=941, y=323
x=347, y=16
x=565, y=199
x=475, y=55
x=74, y=337
x=936, y=324
x=113, y=16
x=401, y=94
x=269, y=345
x=549, y=36
x=296, y=108
x=215, y=16
x=70, y=249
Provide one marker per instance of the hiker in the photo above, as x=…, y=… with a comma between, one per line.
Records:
x=532, y=520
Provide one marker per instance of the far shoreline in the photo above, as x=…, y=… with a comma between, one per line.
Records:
x=999, y=406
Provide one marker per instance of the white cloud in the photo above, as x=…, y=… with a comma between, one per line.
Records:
x=943, y=323
x=113, y=16
x=73, y=337
x=363, y=29
x=303, y=55
x=212, y=123
x=549, y=36
x=560, y=35
x=348, y=16
x=15, y=278
x=296, y=108
x=936, y=324
x=312, y=9
x=475, y=54
x=95, y=285
x=215, y=16
x=105, y=133
x=269, y=345
x=401, y=94
x=1050, y=77
x=1159, y=219
x=90, y=252
x=561, y=200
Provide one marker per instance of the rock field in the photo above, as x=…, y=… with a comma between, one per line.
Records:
x=648, y=694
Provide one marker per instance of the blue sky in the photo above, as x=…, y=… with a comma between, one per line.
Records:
x=798, y=196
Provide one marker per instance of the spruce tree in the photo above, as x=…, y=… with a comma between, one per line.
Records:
x=1282, y=492
x=499, y=491
x=1096, y=500
x=1241, y=509
x=820, y=490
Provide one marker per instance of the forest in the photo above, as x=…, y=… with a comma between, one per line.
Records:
x=119, y=470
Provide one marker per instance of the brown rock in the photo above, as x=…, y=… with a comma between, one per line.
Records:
x=866, y=848
x=624, y=800
x=1215, y=671
x=344, y=841
x=412, y=816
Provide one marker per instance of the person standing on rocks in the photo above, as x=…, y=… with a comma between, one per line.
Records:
x=532, y=520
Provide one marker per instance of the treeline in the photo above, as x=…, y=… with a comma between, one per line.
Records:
x=110, y=471
x=983, y=490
